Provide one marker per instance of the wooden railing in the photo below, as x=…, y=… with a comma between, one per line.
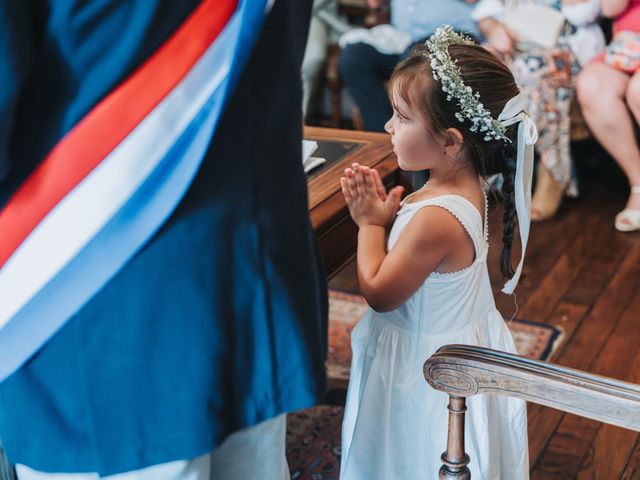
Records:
x=462, y=371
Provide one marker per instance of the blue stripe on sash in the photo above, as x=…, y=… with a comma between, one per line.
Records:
x=140, y=217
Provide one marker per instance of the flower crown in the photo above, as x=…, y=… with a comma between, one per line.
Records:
x=448, y=74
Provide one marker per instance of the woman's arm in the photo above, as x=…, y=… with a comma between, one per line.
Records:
x=487, y=14
x=613, y=8
x=497, y=34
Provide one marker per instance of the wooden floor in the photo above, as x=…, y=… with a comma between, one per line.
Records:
x=584, y=277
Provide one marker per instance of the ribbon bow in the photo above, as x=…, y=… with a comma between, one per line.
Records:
x=513, y=112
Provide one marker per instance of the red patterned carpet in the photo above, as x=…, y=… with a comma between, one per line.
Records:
x=313, y=435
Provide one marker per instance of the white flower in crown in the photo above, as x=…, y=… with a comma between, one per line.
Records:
x=448, y=74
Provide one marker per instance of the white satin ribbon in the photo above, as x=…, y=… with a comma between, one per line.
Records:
x=513, y=112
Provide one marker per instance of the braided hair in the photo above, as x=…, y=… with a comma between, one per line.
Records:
x=509, y=206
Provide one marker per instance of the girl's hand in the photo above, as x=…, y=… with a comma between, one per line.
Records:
x=367, y=199
x=382, y=193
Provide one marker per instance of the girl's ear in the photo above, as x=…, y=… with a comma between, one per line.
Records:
x=453, y=142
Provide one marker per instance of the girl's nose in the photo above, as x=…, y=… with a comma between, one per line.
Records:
x=388, y=127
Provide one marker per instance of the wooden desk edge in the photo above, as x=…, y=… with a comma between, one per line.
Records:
x=337, y=134
x=335, y=231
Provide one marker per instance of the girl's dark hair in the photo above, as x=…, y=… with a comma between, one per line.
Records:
x=494, y=82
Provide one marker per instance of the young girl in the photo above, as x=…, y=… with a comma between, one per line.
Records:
x=422, y=266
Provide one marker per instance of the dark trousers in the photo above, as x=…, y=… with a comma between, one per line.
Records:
x=365, y=72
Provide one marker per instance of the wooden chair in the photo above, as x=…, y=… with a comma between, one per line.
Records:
x=462, y=371
x=579, y=130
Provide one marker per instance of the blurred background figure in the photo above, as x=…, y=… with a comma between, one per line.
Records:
x=546, y=76
x=609, y=94
x=326, y=27
x=366, y=65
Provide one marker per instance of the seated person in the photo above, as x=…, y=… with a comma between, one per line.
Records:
x=365, y=70
x=325, y=28
x=546, y=79
x=609, y=94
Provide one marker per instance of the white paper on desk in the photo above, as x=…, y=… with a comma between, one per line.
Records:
x=309, y=162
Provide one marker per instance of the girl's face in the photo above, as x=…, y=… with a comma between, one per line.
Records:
x=414, y=146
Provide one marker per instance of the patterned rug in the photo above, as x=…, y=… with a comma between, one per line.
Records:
x=313, y=435
x=533, y=340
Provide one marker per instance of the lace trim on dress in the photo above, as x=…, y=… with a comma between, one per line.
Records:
x=467, y=215
x=463, y=210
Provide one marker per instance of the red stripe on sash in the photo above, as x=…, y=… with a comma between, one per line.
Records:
x=109, y=122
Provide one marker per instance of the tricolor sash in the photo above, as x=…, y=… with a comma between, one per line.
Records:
x=115, y=178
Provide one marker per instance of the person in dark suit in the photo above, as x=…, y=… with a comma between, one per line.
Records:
x=189, y=352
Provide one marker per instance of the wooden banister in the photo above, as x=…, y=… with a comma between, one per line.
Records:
x=462, y=371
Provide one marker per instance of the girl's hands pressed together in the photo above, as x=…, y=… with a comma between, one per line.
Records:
x=367, y=199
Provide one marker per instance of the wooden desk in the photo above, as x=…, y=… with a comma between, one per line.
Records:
x=335, y=231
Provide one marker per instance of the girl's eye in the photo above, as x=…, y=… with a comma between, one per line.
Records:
x=400, y=117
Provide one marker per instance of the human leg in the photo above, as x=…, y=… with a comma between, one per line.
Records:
x=6, y=469
x=364, y=71
x=545, y=82
x=555, y=167
x=314, y=58
x=547, y=195
x=602, y=92
x=25, y=473
x=255, y=452
x=629, y=219
x=195, y=469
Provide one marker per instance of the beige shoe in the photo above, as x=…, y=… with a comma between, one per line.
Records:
x=628, y=220
x=547, y=196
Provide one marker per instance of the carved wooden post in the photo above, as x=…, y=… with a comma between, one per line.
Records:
x=462, y=371
x=455, y=460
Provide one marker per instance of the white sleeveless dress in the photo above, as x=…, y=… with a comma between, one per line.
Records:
x=395, y=424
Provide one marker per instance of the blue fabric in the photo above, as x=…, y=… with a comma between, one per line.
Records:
x=420, y=18
x=62, y=57
x=219, y=322
x=144, y=212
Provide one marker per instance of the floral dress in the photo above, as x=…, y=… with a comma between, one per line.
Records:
x=546, y=78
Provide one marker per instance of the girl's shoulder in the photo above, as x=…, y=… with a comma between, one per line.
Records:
x=474, y=203
x=448, y=213
x=446, y=216
x=444, y=226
